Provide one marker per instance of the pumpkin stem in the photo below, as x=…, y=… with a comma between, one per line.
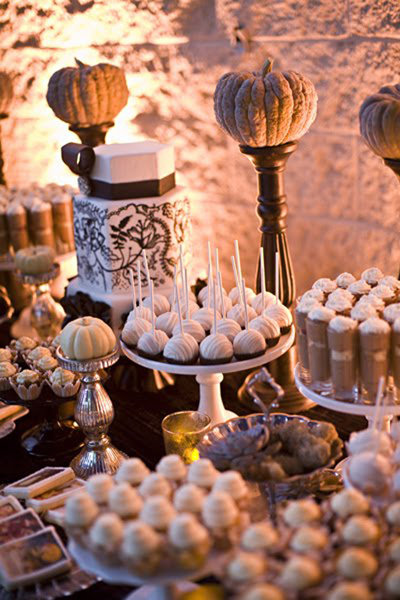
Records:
x=267, y=67
x=80, y=64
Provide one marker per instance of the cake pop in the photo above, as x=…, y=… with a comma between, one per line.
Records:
x=133, y=330
x=226, y=326
x=152, y=343
x=236, y=294
x=181, y=348
x=264, y=298
x=138, y=311
x=166, y=322
x=215, y=348
x=190, y=325
x=160, y=302
x=249, y=343
x=370, y=473
x=281, y=315
x=268, y=328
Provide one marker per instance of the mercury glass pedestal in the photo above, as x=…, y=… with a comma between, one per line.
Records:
x=94, y=413
x=47, y=315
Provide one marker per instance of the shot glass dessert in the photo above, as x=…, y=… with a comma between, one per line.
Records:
x=304, y=306
x=342, y=341
x=374, y=337
x=318, y=350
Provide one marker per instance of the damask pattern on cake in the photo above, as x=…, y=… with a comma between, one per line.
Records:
x=108, y=242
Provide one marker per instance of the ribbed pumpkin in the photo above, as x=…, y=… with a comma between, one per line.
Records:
x=87, y=95
x=380, y=121
x=87, y=338
x=268, y=108
x=35, y=260
x=6, y=92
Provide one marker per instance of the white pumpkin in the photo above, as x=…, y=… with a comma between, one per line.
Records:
x=87, y=338
x=35, y=260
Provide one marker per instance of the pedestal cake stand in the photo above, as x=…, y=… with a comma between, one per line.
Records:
x=209, y=377
x=388, y=411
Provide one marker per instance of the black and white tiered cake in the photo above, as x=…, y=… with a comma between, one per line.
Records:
x=131, y=203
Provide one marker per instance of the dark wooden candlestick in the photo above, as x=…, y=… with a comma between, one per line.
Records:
x=92, y=136
x=394, y=164
x=269, y=163
x=2, y=176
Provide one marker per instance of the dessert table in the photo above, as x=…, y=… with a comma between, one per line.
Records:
x=136, y=430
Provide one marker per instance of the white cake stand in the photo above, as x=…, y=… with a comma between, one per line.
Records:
x=209, y=377
x=167, y=585
x=388, y=411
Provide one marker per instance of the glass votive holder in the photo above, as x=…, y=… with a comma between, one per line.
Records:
x=183, y=431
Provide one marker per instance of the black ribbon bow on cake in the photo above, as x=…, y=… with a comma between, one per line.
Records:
x=81, y=159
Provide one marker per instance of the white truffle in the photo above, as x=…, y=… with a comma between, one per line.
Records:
x=189, y=498
x=202, y=473
x=166, y=322
x=133, y=330
x=237, y=313
x=186, y=532
x=155, y=484
x=229, y=328
x=161, y=304
x=132, y=470
x=308, y=539
x=233, y=484
x=80, y=510
x=219, y=510
x=125, y=501
x=140, y=540
x=370, y=472
x=216, y=348
x=191, y=327
x=107, y=532
x=181, y=348
x=393, y=514
x=392, y=582
x=152, y=344
x=249, y=343
x=350, y=590
x=360, y=530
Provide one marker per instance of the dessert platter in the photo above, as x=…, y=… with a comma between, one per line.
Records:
x=348, y=340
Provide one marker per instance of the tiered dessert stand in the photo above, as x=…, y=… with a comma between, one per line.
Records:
x=388, y=410
x=209, y=377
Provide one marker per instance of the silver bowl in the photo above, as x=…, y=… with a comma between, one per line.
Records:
x=295, y=486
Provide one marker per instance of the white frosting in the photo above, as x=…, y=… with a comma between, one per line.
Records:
x=245, y=566
x=142, y=312
x=205, y=316
x=356, y=563
x=350, y=590
x=191, y=327
x=360, y=530
x=181, y=348
x=374, y=325
x=259, y=536
x=308, y=539
x=202, y=473
x=321, y=313
x=307, y=304
x=133, y=330
x=342, y=324
x=216, y=347
x=248, y=342
x=191, y=309
x=383, y=291
x=203, y=294
x=235, y=295
x=167, y=321
x=155, y=484
x=257, y=302
x=233, y=484
x=172, y=467
x=268, y=327
x=344, y=280
x=372, y=275
x=341, y=293
x=370, y=439
x=15, y=209
x=125, y=501
x=61, y=376
x=219, y=510
x=391, y=312
x=220, y=308
x=186, y=532
x=7, y=369
x=47, y=363
x=140, y=540
x=189, y=498
x=229, y=328
x=315, y=293
x=300, y=512
x=374, y=301
x=237, y=313
x=161, y=304
x=80, y=510
x=393, y=514
x=152, y=343
x=370, y=472
x=38, y=353
x=107, y=532
x=280, y=313
x=5, y=355
x=132, y=470
x=263, y=591
x=157, y=512
x=99, y=487
x=363, y=311
x=325, y=284
x=391, y=282
x=339, y=304
x=299, y=573
x=359, y=287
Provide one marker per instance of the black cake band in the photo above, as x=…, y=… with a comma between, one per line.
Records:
x=132, y=189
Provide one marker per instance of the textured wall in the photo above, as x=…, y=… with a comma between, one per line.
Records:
x=343, y=203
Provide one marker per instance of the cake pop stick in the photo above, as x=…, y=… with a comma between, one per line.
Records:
x=186, y=293
x=214, y=326
x=235, y=274
x=238, y=264
x=182, y=270
x=262, y=273
x=246, y=315
x=209, y=275
x=277, y=277
x=132, y=280
x=222, y=295
x=379, y=395
x=138, y=272
x=146, y=267
x=174, y=294
x=153, y=324
x=178, y=304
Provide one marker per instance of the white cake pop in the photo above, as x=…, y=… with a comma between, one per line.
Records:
x=268, y=328
x=235, y=296
x=161, y=304
x=133, y=330
x=281, y=314
x=370, y=473
x=166, y=322
x=237, y=314
x=248, y=343
x=370, y=440
x=264, y=298
x=152, y=343
x=191, y=327
x=181, y=348
x=227, y=327
x=215, y=348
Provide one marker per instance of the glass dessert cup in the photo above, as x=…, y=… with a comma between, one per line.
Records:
x=94, y=413
x=183, y=431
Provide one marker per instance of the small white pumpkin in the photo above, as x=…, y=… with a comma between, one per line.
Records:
x=380, y=121
x=35, y=260
x=87, y=338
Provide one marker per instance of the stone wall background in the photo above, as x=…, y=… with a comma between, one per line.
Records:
x=344, y=205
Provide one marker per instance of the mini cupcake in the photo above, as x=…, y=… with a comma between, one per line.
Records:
x=105, y=538
x=7, y=370
x=360, y=530
x=221, y=516
x=203, y=473
x=300, y=573
x=245, y=568
x=233, y=484
x=63, y=383
x=99, y=487
x=260, y=537
x=356, y=563
x=189, y=541
x=301, y=512
x=157, y=512
x=34, y=355
x=27, y=384
x=155, y=484
x=172, y=467
x=141, y=549
x=47, y=363
x=23, y=344
x=133, y=471
x=189, y=498
x=124, y=500
x=7, y=355
x=80, y=512
x=281, y=315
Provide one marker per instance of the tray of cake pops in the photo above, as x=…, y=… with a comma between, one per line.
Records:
x=212, y=328
x=348, y=337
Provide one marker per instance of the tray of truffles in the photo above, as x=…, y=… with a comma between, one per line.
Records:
x=143, y=526
x=348, y=334
x=213, y=329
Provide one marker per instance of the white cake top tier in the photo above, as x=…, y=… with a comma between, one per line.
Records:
x=136, y=161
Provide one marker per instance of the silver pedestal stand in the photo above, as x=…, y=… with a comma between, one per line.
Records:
x=94, y=413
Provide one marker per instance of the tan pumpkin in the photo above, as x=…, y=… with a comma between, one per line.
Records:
x=35, y=260
x=87, y=95
x=87, y=338
x=380, y=121
x=6, y=92
x=267, y=108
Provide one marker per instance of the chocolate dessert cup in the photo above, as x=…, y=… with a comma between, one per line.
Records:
x=374, y=338
x=343, y=341
x=318, y=350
